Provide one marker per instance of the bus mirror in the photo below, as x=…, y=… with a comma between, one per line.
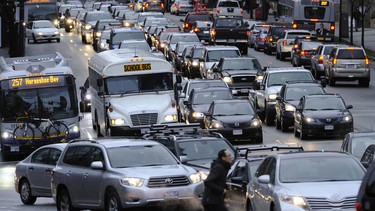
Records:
x=99, y=82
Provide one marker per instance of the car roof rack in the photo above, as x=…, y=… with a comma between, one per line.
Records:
x=248, y=150
x=302, y=81
x=284, y=68
x=83, y=140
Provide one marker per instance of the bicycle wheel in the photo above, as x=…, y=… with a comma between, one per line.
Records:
x=23, y=134
x=58, y=132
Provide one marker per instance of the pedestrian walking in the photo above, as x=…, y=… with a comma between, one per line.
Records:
x=215, y=184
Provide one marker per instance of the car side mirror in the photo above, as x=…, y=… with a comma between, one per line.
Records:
x=349, y=107
x=97, y=165
x=216, y=70
x=264, y=179
x=365, y=164
x=182, y=95
x=298, y=108
x=264, y=69
x=183, y=159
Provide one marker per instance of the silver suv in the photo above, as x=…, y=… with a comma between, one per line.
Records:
x=122, y=173
x=348, y=64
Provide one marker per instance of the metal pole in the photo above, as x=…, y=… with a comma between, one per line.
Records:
x=21, y=28
x=340, y=22
x=363, y=24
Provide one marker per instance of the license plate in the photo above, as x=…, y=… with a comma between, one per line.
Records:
x=171, y=195
x=231, y=41
x=351, y=66
x=328, y=127
x=244, y=91
x=206, y=32
x=144, y=130
x=237, y=132
x=14, y=148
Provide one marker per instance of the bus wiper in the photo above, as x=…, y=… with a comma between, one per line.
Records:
x=130, y=91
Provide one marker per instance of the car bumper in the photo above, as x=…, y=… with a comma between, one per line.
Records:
x=131, y=131
x=260, y=45
x=185, y=10
x=304, y=61
x=248, y=134
x=322, y=129
x=154, y=10
x=47, y=37
x=286, y=49
x=348, y=74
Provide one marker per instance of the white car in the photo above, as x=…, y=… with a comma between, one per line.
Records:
x=228, y=8
x=285, y=43
x=42, y=30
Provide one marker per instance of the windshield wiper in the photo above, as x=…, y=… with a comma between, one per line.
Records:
x=239, y=114
x=130, y=91
x=311, y=109
x=154, y=164
x=330, y=109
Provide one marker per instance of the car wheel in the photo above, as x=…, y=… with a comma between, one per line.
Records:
x=302, y=135
x=283, y=126
x=25, y=193
x=364, y=82
x=244, y=50
x=269, y=117
x=113, y=202
x=277, y=55
x=251, y=45
x=278, y=125
x=269, y=52
x=331, y=81
x=93, y=124
x=282, y=57
x=63, y=202
x=34, y=39
x=28, y=41
x=58, y=40
x=296, y=133
x=83, y=38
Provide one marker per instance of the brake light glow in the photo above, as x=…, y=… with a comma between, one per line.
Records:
x=204, y=8
x=271, y=39
x=262, y=39
x=179, y=7
x=175, y=6
x=320, y=59
x=218, y=10
x=358, y=206
x=351, y=49
x=162, y=5
x=314, y=20
x=186, y=25
x=304, y=52
x=285, y=43
x=294, y=25
x=146, y=5
x=334, y=60
x=295, y=46
x=196, y=30
x=247, y=33
x=214, y=32
x=367, y=61
x=332, y=28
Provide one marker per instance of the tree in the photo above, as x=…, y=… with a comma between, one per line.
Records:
x=356, y=5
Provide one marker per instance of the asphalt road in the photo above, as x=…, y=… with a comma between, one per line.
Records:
x=71, y=47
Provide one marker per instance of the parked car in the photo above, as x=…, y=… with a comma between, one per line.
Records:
x=42, y=30
x=356, y=143
x=322, y=115
x=33, y=174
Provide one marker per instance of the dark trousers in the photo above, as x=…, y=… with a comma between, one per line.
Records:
x=215, y=207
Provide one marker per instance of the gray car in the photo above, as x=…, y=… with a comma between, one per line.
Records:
x=319, y=59
x=301, y=181
x=33, y=174
x=123, y=173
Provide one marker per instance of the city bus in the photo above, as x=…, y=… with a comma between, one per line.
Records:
x=318, y=16
x=130, y=91
x=38, y=101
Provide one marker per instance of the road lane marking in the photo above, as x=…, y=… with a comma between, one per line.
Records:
x=88, y=134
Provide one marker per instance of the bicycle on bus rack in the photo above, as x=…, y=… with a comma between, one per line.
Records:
x=25, y=131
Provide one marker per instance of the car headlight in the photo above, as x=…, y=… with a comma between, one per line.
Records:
x=227, y=80
x=132, y=181
x=69, y=21
x=40, y=33
x=170, y=118
x=296, y=201
x=74, y=129
x=347, y=118
x=56, y=32
x=272, y=97
x=103, y=45
x=88, y=27
x=162, y=45
x=195, y=178
x=88, y=97
x=216, y=125
x=290, y=108
x=117, y=122
x=198, y=115
x=126, y=24
x=256, y=123
x=55, y=22
x=98, y=34
x=259, y=78
x=195, y=63
x=204, y=174
x=6, y=135
x=309, y=119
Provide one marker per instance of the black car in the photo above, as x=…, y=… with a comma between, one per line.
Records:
x=235, y=120
x=191, y=17
x=193, y=62
x=99, y=27
x=366, y=194
x=200, y=148
x=288, y=98
x=302, y=54
x=272, y=37
x=202, y=29
x=368, y=156
x=184, y=60
x=200, y=100
x=322, y=115
x=238, y=72
x=244, y=166
x=177, y=53
x=356, y=143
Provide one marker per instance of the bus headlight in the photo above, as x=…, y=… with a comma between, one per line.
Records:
x=227, y=80
x=88, y=27
x=117, y=122
x=6, y=135
x=74, y=129
x=170, y=118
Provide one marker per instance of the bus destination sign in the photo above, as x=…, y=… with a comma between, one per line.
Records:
x=36, y=82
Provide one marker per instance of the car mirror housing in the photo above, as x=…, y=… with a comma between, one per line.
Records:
x=97, y=165
x=264, y=179
x=183, y=159
x=349, y=106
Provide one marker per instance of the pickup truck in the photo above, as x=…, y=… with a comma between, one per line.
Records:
x=230, y=31
x=228, y=8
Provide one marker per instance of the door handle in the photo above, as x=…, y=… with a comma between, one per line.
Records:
x=31, y=168
x=86, y=175
x=68, y=173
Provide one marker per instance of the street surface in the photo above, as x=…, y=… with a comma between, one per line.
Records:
x=71, y=47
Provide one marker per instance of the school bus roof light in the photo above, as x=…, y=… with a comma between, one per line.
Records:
x=350, y=49
x=314, y=19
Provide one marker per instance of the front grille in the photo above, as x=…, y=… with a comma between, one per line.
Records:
x=238, y=125
x=328, y=120
x=158, y=182
x=243, y=79
x=144, y=119
x=326, y=204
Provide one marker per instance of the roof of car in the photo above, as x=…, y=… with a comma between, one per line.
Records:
x=108, y=20
x=363, y=134
x=221, y=47
x=200, y=80
x=312, y=154
x=323, y=95
x=231, y=101
x=286, y=69
x=209, y=89
x=115, y=142
x=238, y=57
x=301, y=83
x=116, y=30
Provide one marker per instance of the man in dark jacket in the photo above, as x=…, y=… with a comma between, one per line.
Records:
x=215, y=184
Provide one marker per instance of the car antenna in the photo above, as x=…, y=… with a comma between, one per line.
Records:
x=135, y=52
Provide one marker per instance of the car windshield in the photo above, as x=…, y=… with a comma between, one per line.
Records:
x=324, y=103
x=203, y=149
x=136, y=46
x=207, y=85
x=254, y=166
x=164, y=35
x=360, y=144
x=139, y=83
x=351, y=54
x=197, y=17
x=43, y=24
x=197, y=53
x=156, y=22
x=232, y=109
x=278, y=79
x=202, y=98
x=74, y=13
x=295, y=93
x=229, y=22
x=184, y=38
x=121, y=36
x=241, y=64
x=320, y=169
x=216, y=55
x=91, y=17
x=293, y=35
x=140, y=156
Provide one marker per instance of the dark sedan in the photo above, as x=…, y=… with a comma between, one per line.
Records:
x=366, y=193
x=356, y=143
x=202, y=29
x=177, y=53
x=288, y=98
x=192, y=62
x=302, y=54
x=322, y=115
x=200, y=100
x=235, y=120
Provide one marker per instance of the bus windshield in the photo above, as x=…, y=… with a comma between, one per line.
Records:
x=139, y=83
x=53, y=103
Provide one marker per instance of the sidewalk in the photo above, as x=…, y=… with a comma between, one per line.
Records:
x=369, y=37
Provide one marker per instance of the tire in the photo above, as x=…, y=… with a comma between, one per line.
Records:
x=244, y=50
x=302, y=135
x=58, y=40
x=83, y=38
x=25, y=135
x=248, y=206
x=269, y=118
x=269, y=52
x=283, y=126
x=296, y=133
x=25, y=193
x=99, y=134
x=331, y=81
x=277, y=55
x=63, y=201
x=113, y=202
x=282, y=57
x=34, y=39
x=57, y=130
x=278, y=124
x=364, y=82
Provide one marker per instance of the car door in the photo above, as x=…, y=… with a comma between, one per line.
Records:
x=39, y=172
x=261, y=93
x=237, y=185
x=268, y=189
x=29, y=27
x=255, y=189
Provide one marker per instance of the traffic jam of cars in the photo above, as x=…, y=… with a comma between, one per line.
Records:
x=166, y=99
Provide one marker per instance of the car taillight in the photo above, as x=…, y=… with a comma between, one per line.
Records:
x=162, y=5
x=146, y=5
x=241, y=11
x=213, y=32
x=204, y=8
x=262, y=39
x=179, y=7
x=131, y=5
x=320, y=59
x=271, y=39
x=175, y=6
x=285, y=43
x=358, y=206
x=218, y=10
x=296, y=46
x=247, y=33
x=186, y=25
x=304, y=52
x=334, y=60
x=367, y=61
x=332, y=28
x=196, y=30
x=294, y=26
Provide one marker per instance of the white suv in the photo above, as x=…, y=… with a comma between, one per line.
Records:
x=122, y=173
x=285, y=43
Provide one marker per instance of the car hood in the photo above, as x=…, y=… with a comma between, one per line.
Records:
x=334, y=191
x=46, y=30
x=208, y=65
x=201, y=164
x=92, y=23
x=157, y=171
x=293, y=102
x=136, y=103
x=234, y=119
x=201, y=108
x=240, y=72
x=325, y=114
x=273, y=89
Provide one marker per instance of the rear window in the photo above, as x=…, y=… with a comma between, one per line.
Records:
x=279, y=31
x=229, y=22
x=327, y=50
x=228, y=4
x=310, y=45
x=314, y=12
x=351, y=54
x=195, y=17
x=293, y=35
